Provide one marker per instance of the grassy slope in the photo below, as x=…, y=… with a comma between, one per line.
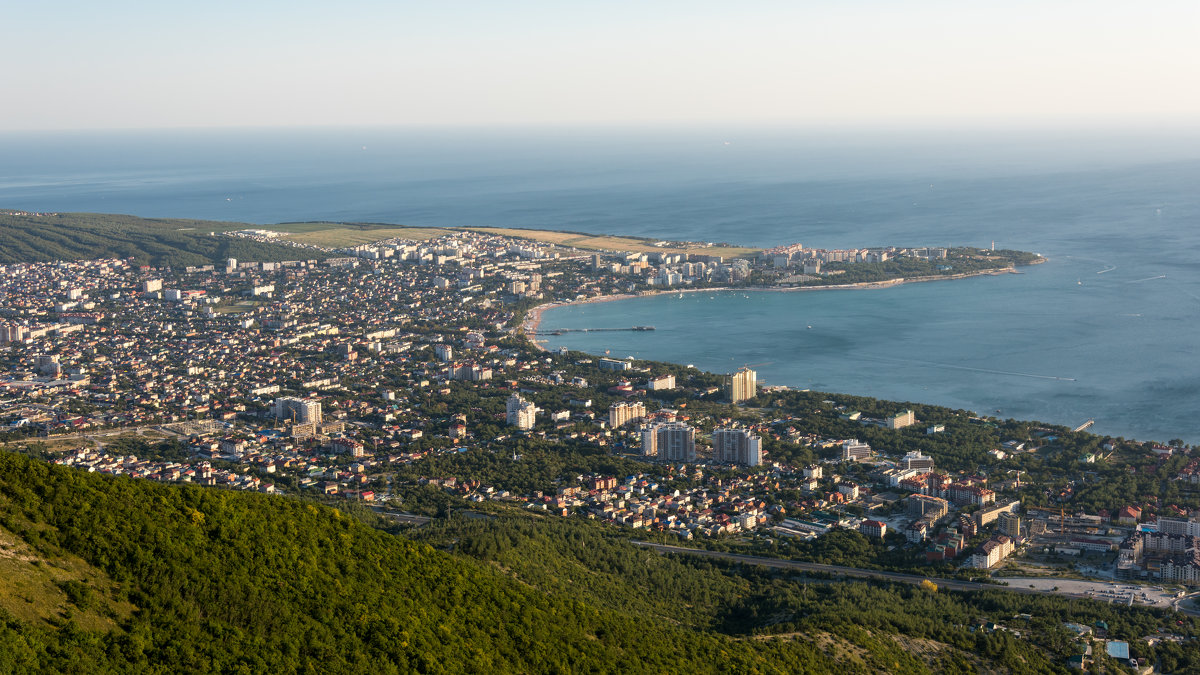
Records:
x=46, y=590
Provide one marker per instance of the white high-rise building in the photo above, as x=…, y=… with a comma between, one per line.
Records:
x=521, y=413
x=741, y=386
x=649, y=441
x=737, y=446
x=298, y=410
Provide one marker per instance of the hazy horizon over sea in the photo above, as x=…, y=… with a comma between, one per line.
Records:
x=1103, y=330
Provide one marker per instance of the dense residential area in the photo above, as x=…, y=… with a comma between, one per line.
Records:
x=406, y=379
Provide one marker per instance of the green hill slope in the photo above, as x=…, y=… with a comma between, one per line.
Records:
x=233, y=581
x=81, y=236
x=118, y=574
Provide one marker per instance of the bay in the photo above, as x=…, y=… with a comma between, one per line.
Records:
x=1106, y=329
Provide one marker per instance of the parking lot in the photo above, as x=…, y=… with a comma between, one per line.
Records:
x=1146, y=596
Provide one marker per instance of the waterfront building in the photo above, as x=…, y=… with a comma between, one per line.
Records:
x=661, y=383
x=901, y=420
x=741, y=386
x=613, y=364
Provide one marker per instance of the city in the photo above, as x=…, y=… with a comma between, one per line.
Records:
x=361, y=377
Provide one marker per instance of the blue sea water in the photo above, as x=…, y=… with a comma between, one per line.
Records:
x=1106, y=329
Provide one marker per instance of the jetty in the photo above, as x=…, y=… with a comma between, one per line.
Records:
x=1085, y=425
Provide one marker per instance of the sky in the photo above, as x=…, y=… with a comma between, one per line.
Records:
x=73, y=64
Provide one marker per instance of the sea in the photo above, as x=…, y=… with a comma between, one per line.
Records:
x=1106, y=330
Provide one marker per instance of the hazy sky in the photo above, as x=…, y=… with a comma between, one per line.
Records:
x=124, y=63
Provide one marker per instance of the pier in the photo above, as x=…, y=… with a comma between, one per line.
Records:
x=1085, y=425
x=560, y=331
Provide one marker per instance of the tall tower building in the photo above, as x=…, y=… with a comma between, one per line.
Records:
x=520, y=413
x=741, y=386
x=621, y=413
x=737, y=446
x=649, y=440
x=676, y=442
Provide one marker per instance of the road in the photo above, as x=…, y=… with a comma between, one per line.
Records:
x=410, y=518
x=858, y=573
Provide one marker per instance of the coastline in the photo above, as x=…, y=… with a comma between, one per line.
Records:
x=533, y=320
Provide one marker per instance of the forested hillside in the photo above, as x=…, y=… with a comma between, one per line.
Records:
x=168, y=578
x=234, y=581
x=158, y=242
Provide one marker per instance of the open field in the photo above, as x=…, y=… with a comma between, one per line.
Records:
x=336, y=235
x=608, y=243
x=238, y=307
x=181, y=242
